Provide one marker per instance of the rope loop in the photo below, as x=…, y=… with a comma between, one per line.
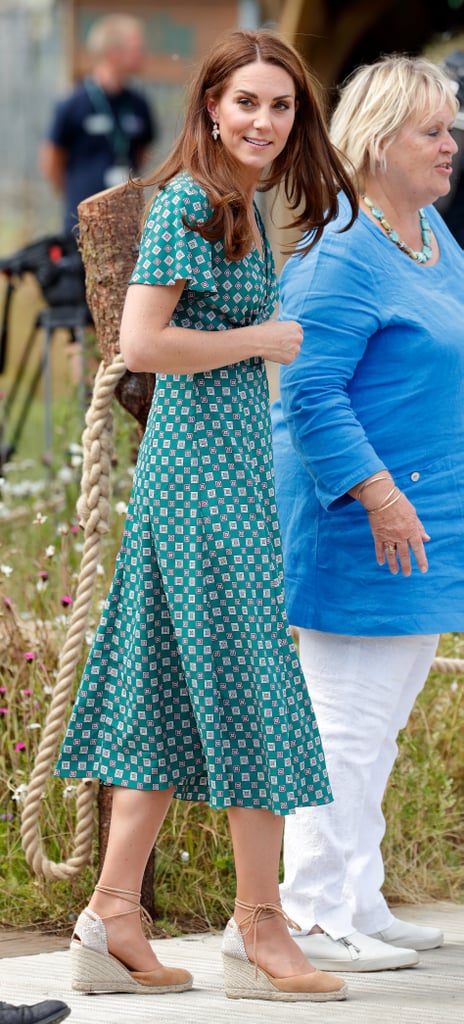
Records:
x=93, y=511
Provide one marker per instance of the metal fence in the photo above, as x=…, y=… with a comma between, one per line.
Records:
x=32, y=73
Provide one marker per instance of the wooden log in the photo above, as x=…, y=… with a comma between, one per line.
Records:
x=109, y=226
x=109, y=230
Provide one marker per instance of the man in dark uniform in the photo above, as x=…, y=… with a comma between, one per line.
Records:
x=102, y=130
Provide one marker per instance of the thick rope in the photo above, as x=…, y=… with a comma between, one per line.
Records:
x=93, y=511
x=448, y=665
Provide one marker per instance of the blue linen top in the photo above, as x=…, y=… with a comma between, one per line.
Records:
x=379, y=383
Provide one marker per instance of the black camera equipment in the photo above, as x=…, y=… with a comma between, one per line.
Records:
x=56, y=264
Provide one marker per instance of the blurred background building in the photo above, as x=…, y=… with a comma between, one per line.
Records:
x=42, y=54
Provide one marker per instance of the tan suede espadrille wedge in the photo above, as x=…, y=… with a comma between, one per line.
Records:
x=94, y=969
x=246, y=980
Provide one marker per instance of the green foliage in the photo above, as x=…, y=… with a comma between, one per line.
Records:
x=194, y=877
x=425, y=798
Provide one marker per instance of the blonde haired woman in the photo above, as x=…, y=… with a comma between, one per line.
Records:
x=369, y=444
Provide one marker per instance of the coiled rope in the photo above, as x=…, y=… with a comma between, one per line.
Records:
x=93, y=511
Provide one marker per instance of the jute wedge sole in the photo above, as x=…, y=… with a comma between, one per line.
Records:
x=98, y=972
x=245, y=981
x=94, y=969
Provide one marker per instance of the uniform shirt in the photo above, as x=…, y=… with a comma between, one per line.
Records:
x=102, y=135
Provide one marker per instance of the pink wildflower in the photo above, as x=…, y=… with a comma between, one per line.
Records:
x=29, y=655
x=20, y=746
x=66, y=601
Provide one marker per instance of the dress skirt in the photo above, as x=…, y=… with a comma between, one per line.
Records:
x=193, y=680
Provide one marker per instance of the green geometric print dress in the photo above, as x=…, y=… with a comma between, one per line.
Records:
x=193, y=680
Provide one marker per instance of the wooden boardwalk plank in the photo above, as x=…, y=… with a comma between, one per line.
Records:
x=431, y=993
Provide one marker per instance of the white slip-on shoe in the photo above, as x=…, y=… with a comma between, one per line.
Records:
x=355, y=952
x=411, y=936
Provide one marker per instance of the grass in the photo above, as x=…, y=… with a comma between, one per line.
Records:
x=40, y=549
x=424, y=802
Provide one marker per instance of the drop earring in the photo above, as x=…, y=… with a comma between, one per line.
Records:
x=215, y=131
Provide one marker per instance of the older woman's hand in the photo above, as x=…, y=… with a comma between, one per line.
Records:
x=397, y=530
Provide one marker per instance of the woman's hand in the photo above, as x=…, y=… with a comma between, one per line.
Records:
x=397, y=531
x=280, y=340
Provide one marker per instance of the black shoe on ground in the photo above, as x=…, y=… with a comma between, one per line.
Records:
x=48, y=1012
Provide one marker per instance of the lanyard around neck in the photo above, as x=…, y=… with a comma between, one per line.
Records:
x=120, y=142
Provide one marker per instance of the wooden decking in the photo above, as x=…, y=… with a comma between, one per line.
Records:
x=431, y=993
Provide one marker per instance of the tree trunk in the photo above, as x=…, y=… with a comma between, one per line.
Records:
x=109, y=224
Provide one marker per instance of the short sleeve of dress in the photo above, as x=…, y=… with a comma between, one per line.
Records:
x=169, y=250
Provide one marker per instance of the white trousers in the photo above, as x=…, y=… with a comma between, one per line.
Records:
x=362, y=690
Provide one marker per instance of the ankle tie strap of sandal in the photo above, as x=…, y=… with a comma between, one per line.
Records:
x=126, y=894
x=261, y=912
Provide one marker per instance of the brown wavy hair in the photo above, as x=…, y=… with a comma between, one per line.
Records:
x=308, y=168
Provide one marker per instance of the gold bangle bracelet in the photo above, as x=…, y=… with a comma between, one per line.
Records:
x=378, y=508
x=367, y=483
x=381, y=508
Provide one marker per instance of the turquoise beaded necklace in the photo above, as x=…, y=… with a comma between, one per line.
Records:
x=426, y=231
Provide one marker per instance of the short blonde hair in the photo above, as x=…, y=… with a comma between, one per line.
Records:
x=375, y=102
x=110, y=32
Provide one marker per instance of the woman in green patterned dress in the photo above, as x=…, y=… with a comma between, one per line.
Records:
x=193, y=688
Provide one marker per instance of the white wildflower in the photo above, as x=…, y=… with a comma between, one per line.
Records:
x=185, y=856
x=69, y=792
x=50, y=551
x=19, y=794
x=33, y=725
x=120, y=508
x=66, y=475
x=6, y=570
x=39, y=520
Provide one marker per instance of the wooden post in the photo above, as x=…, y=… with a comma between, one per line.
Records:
x=109, y=225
